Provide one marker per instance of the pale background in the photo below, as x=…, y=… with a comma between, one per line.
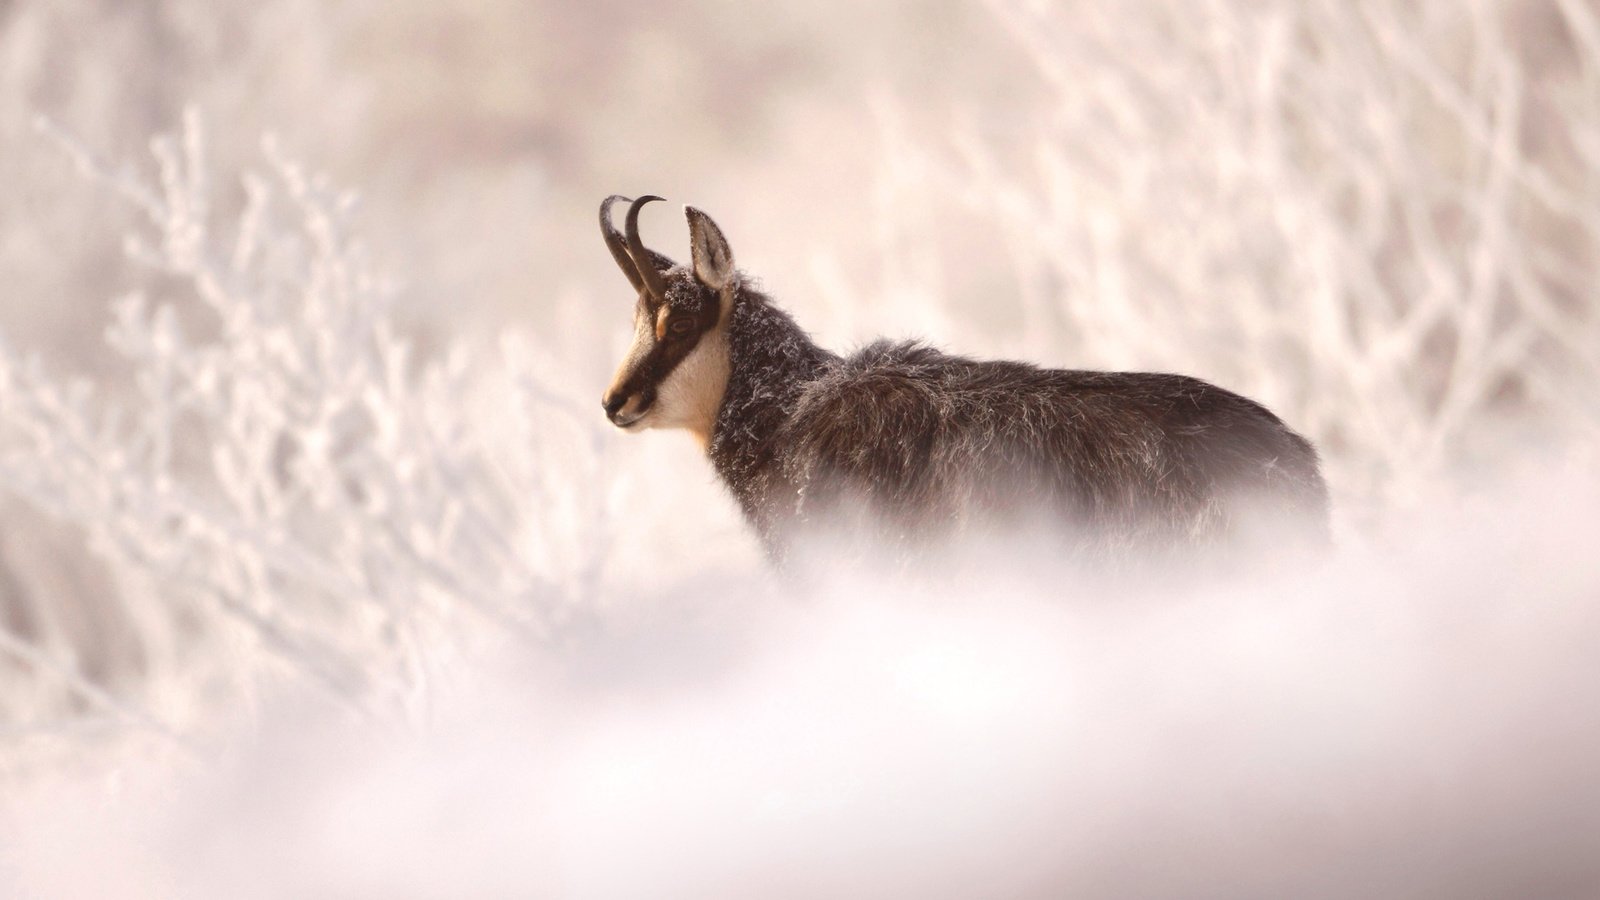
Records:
x=339, y=448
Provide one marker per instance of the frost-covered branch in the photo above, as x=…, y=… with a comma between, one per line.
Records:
x=1379, y=218
x=278, y=473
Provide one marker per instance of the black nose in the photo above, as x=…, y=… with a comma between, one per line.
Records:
x=612, y=403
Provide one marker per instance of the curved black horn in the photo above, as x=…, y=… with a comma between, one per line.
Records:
x=619, y=250
x=641, y=256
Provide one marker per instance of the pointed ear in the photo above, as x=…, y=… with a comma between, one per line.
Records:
x=713, y=258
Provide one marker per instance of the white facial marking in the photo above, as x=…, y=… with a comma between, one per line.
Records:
x=691, y=394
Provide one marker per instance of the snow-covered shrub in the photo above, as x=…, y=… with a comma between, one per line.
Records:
x=279, y=486
x=1379, y=218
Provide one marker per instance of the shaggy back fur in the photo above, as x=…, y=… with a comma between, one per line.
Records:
x=905, y=444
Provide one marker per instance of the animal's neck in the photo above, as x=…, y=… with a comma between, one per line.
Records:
x=770, y=361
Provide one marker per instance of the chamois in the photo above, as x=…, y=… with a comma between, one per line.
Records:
x=902, y=442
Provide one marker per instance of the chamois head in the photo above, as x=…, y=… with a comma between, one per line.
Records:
x=676, y=371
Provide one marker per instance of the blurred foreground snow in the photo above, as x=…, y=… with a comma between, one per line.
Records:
x=1411, y=721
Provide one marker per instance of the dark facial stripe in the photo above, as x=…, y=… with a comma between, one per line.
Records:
x=677, y=334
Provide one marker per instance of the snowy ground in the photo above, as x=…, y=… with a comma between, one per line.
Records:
x=1407, y=721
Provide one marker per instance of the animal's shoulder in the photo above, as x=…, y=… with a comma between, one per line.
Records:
x=885, y=398
x=883, y=382
x=911, y=359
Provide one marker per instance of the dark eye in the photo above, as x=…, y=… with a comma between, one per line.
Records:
x=680, y=327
